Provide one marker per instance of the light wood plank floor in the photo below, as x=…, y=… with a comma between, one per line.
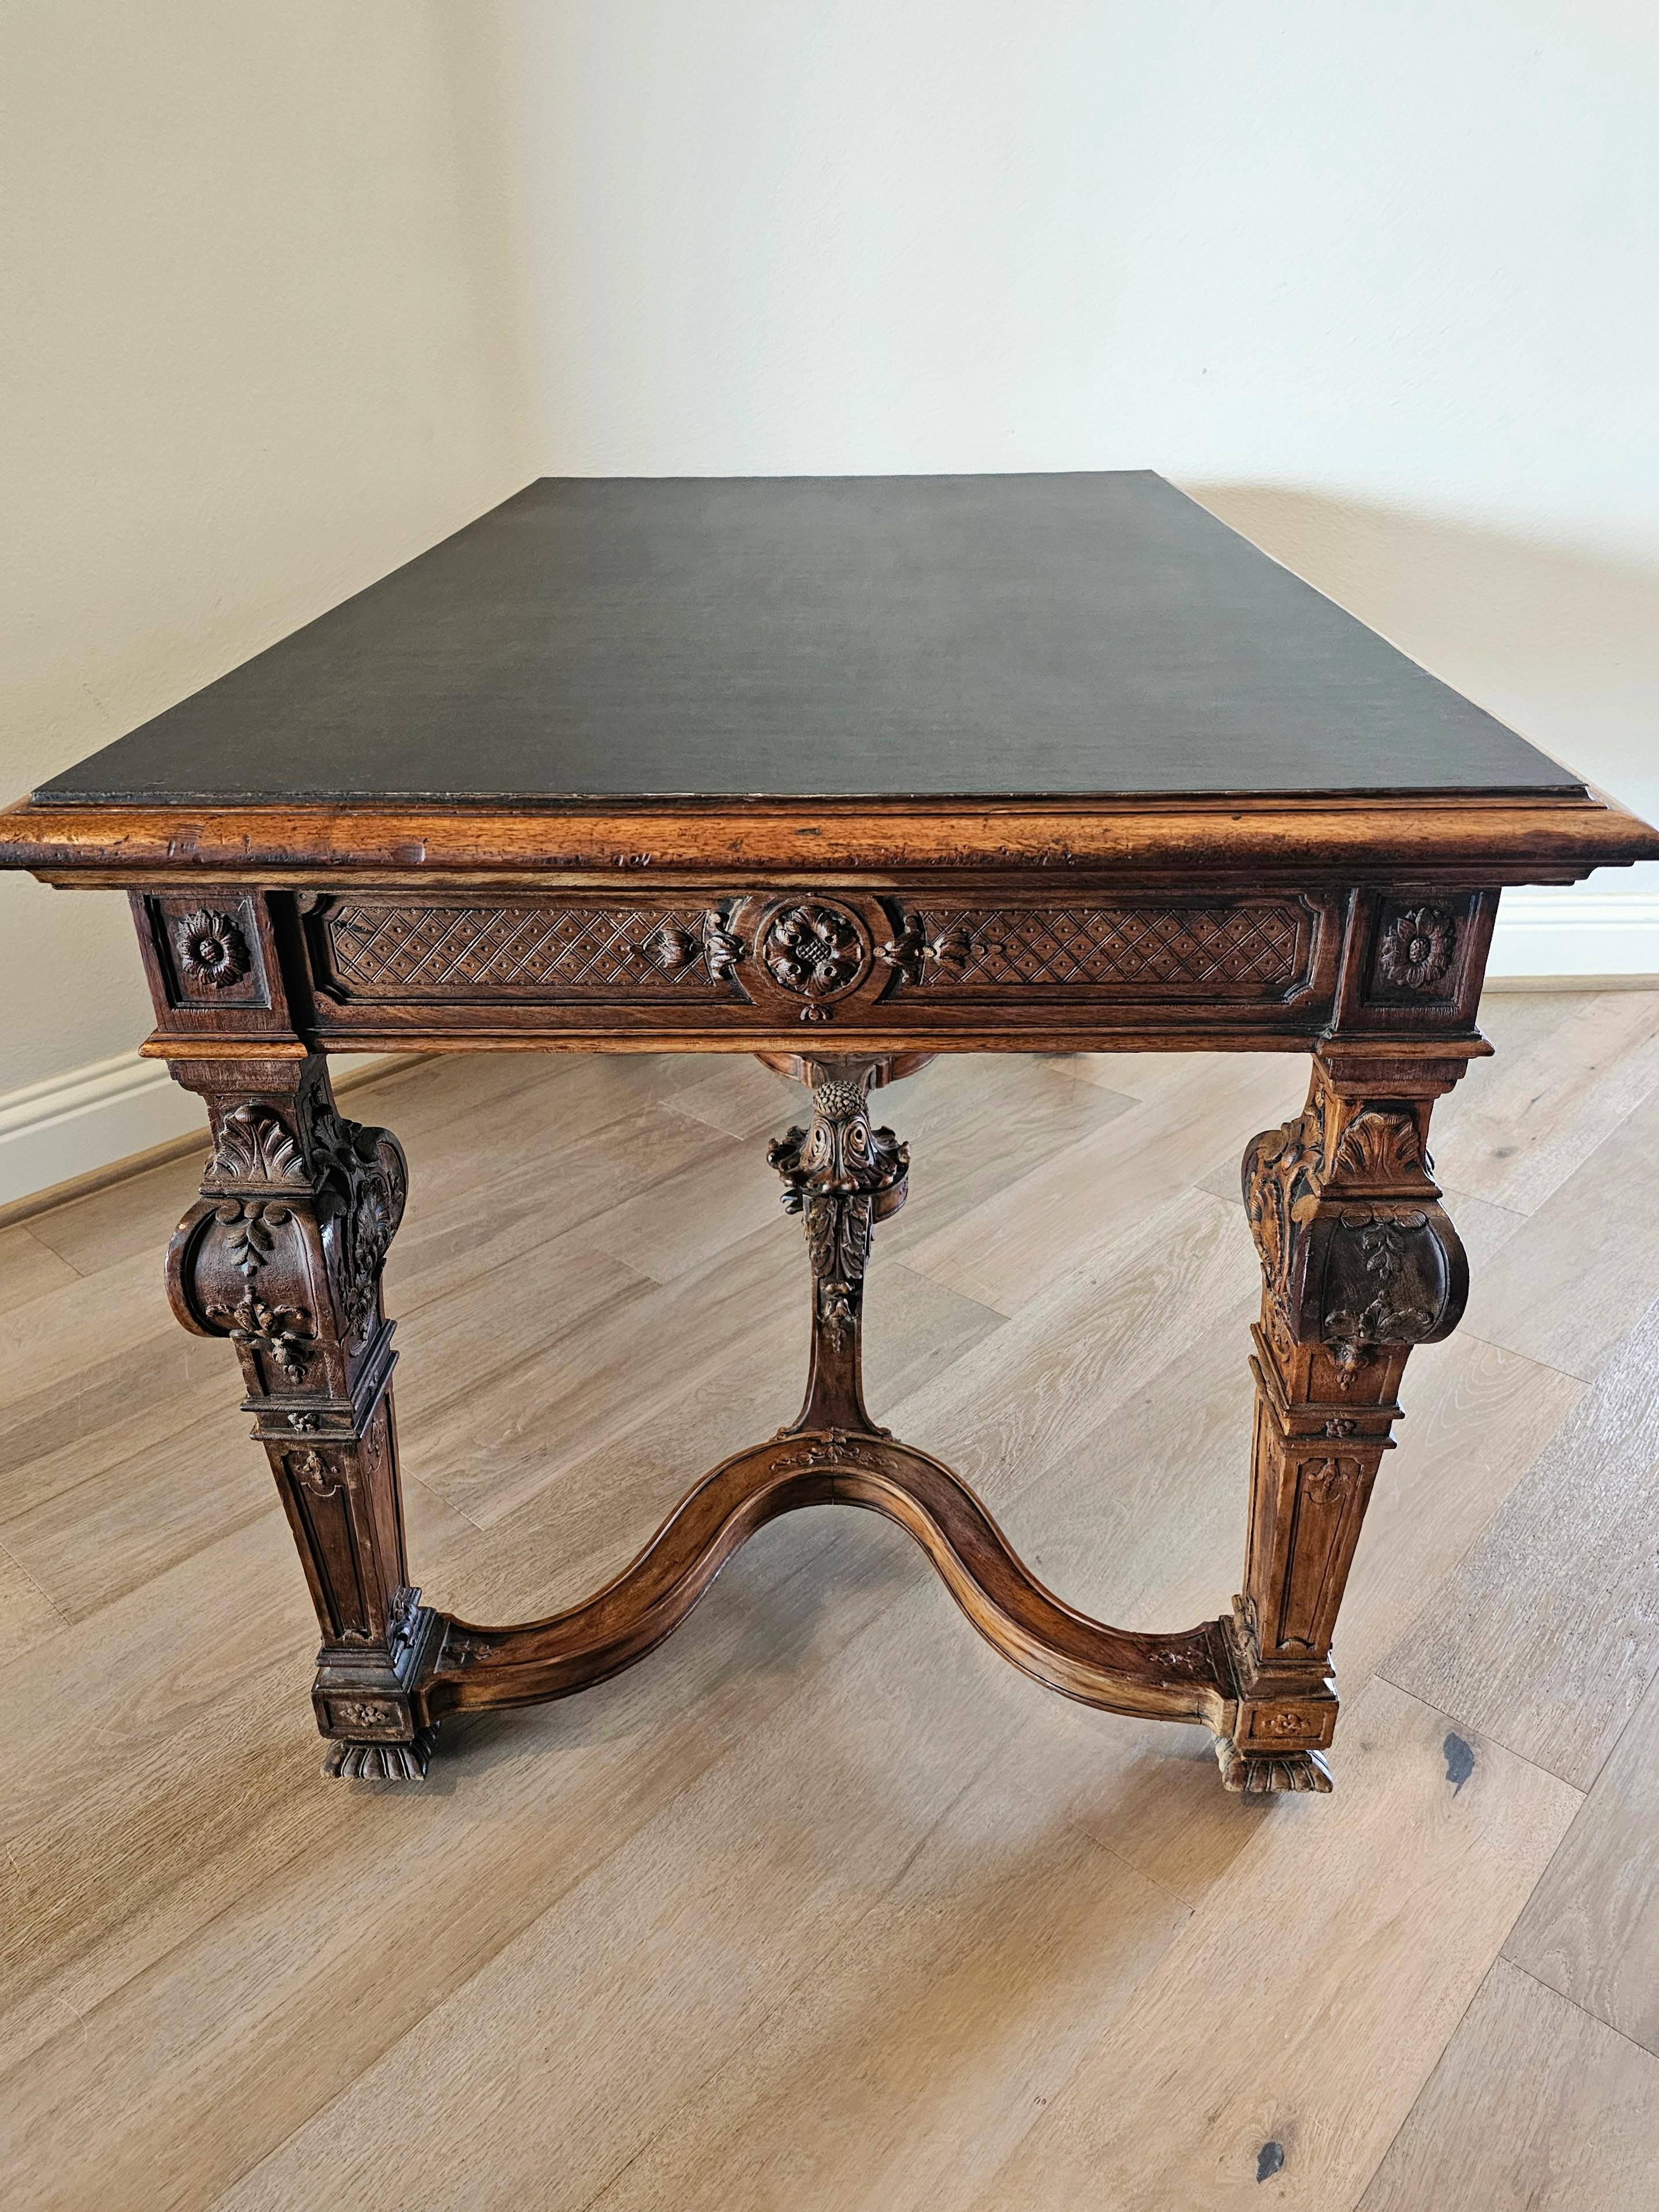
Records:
x=824, y=1906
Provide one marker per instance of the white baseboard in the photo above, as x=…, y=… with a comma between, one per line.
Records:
x=76, y=1125
x=1575, y=935
x=70, y=1125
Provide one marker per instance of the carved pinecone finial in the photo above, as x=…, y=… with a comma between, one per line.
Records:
x=839, y=1102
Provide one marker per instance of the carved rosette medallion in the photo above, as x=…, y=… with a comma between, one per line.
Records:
x=212, y=950
x=814, y=951
x=1415, y=950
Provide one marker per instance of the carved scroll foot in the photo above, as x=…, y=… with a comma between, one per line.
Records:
x=382, y=1762
x=1258, y=1774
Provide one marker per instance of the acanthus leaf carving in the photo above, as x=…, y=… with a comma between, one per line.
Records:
x=338, y=1183
x=254, y=1145
x=1380, y=1145
x=1282, y=1170
x=360, y=1191
x=721, y=950
x=1386, y=1281
x=673, y=948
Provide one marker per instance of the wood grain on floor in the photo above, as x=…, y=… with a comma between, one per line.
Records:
x=824, y=1907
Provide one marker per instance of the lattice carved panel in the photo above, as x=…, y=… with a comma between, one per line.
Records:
x=1256, y=949
x=385, y=949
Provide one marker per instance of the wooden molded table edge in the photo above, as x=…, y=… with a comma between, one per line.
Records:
x=1476, y=840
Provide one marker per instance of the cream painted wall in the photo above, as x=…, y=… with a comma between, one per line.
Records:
x=257, y=350
x=292, y=291
x=1373, y=278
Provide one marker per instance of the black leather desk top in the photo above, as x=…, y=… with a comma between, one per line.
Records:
x=976, y=637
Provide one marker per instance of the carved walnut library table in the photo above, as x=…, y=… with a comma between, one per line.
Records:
x=845, y=773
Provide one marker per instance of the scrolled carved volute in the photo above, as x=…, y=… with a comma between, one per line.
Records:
x=1356, y=1251
x=361, y=1188
x=283, y=1251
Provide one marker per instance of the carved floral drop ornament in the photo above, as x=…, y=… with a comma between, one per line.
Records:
x=248, y=1241
x=842, y=1177
x=721, y=950
x=913, y=954
x=669, y=948
x=212, y=948
x=673, y=949
x=282, y=1334
x=1415, y=950
x=314, y=1473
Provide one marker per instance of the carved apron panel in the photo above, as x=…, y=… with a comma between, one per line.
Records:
x=806, y=952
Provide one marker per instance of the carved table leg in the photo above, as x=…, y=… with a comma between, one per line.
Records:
x=1359, y=1264
x=283, y=1253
